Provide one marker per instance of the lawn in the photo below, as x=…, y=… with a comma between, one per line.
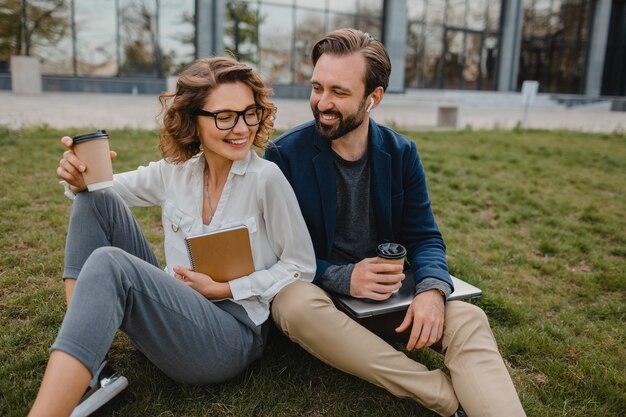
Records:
x=535, y=218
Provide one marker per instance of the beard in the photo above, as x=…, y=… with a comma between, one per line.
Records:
x=344, y=125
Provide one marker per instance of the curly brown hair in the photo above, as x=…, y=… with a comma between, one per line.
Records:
x=179, y=138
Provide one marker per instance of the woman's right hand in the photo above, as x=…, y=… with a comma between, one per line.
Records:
x=71, y=168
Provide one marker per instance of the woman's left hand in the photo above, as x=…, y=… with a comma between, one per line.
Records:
x=202, y=283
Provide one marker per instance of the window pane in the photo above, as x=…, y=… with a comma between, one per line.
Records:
x=138, y=38
x=241, y=31
x=476, y=14
x=455, y=13
x=541, y=18
x=338, y=21
x=177, y=32
x=346, y=6
x=471, y=61
x=415, y=9
x=372, y=8
x=493, y=15
x=425, y=46
x=453, y=59
x=489, y=62
x=434, y=11
x=309, y=29
x=97, y=47
x=95, y=38
x=544, y=5
x=51, y=42
x=414, y=51
x=471, y=30
x=280, y=2
x=573, y=16
x=318, y=4
x=554, y=44
x=95, y=41
x=371, y=25
x=275, y=43
x=433, y=57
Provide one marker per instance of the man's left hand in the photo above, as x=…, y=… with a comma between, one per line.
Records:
x=426, y=312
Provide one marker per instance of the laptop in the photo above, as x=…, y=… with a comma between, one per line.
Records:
x=382, y=317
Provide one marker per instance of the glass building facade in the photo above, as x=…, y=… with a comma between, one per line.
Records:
x=452, y=44
x=109, y=37
x=449, y=44
x=555, y=39
x=277, y=36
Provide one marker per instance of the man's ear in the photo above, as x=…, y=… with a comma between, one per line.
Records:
x=375, y=98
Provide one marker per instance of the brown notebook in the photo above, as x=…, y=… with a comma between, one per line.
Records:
x=222, y=254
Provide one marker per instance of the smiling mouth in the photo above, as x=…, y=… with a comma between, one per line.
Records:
x=236, y=141
x=329, y=117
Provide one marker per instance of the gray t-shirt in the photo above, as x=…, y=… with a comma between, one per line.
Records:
x=355, y=231
x=355, y=236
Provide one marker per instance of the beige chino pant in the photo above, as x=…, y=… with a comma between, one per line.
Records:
x=479, y=378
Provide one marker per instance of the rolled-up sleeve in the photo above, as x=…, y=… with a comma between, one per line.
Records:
x=144, y=186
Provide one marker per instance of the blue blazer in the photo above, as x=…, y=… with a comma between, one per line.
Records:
x=401, y=204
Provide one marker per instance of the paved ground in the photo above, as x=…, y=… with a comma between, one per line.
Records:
x=413, y=110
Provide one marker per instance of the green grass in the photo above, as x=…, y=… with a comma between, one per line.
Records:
x=535, y=218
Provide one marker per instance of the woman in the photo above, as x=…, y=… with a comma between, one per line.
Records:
x=196, y=330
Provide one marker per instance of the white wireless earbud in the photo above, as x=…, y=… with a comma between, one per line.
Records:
x=369, y=108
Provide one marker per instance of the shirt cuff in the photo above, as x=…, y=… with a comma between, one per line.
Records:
x=68, y=191
x=433, y=284
x=336, y=278
x=241, y=288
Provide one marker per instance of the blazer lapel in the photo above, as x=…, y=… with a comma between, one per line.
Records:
x=325, y=175
x=381, y=183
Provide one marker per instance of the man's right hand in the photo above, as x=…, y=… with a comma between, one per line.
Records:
x=374, y=280
x=71, y=168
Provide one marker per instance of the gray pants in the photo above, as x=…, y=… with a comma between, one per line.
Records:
x=121, y=286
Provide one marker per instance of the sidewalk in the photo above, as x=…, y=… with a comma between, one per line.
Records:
x=415, y=110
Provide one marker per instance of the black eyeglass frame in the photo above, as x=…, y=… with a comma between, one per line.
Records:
x=201, y=112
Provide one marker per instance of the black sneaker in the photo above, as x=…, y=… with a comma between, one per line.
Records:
x=105, y=385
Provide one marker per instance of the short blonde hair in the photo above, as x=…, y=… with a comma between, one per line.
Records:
x=179, y=137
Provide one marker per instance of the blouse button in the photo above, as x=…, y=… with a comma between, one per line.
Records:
x=296, y=275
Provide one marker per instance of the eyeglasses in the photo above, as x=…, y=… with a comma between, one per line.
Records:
x=227, y=119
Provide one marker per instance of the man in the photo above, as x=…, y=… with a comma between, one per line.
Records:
x=360, y=184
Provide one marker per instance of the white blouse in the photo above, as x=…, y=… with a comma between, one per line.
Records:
x=256, y=194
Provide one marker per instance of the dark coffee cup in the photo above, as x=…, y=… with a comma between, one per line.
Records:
x=391, y=253
x=93, y=150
